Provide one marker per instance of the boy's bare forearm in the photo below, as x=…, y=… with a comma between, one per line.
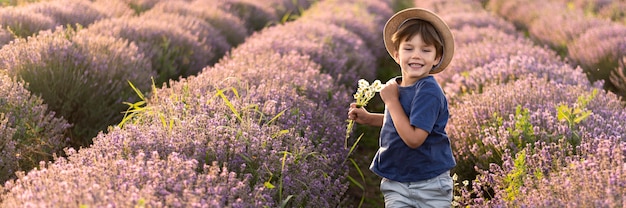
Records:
x=375, y=119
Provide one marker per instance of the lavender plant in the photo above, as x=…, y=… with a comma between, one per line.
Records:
x=173, y=51
x=255, y=15
x=113, y=8
x=140, y=6
x=80, y=76
x=613, y=11
x=22, y=23
x=470, y=34
x=229, y=25
x=341, y=53
x=521, y=13
x=599, y=58
x=204, y=32
x=286, y=9
x=560, y=29
x=618, y=77
x=342, y=13
x=29, y=132
x=67, y=12
x=5, y=36
x=478, y=20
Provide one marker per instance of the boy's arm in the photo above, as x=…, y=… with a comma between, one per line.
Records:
x=412, y=136
x=375, y=119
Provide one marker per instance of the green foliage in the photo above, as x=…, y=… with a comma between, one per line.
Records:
x=135, y=109
x=523, y=132
x=356, y=166
x=514, y=180
x=576, y=114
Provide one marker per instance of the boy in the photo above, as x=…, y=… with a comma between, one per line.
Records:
x=415, y=157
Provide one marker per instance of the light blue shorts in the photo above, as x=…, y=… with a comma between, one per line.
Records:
x=434, y=192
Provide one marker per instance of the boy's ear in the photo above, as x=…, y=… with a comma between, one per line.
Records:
x=395, y=57
x=437, y=61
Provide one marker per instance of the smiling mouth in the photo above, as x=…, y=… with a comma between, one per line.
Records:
x=416, y=65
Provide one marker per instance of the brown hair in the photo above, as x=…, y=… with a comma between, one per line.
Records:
x=412, y=27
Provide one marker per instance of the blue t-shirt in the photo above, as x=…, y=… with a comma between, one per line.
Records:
x=427, y=109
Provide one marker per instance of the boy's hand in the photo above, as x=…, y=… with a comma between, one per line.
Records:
x=357, y=114
x=390, y=91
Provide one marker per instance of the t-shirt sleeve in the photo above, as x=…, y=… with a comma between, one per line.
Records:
x=424, y=111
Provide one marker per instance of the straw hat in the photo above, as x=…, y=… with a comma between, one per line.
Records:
x=394, y=23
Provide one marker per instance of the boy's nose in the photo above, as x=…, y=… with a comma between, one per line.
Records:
x=416, y=55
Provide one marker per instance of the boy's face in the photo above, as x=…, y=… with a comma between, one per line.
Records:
x=416, y=59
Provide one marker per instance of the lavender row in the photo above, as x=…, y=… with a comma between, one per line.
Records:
x=597, y=45
x=523, y=130
x=273, y=118
x=613, y=10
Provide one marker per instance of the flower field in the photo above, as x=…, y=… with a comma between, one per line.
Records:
x=242, y=103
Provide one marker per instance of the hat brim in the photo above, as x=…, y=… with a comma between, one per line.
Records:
x=442, y=28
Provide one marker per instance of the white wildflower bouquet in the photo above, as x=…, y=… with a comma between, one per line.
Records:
x=363, y=95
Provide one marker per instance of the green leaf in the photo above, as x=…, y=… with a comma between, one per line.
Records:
x=229, y=104
x=269, y=185
x=582, y=116
x=356, y=182
x=284, y=202
x=563, y=112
